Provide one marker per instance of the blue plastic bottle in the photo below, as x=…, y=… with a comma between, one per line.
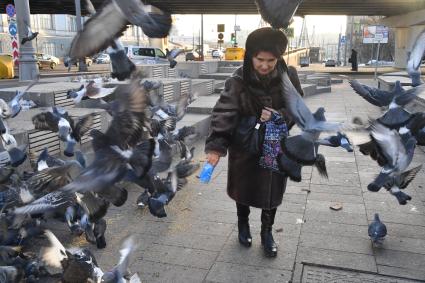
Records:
x=206, y=173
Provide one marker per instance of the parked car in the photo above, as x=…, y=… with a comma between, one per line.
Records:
x=192, y=56
x=217, y=54
x=88, y=61
x=330, y=63
x=304, y=61
x=146, y=55
x=103, y=59
x=45, y=60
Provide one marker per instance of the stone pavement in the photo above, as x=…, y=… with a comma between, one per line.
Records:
x=197, y=242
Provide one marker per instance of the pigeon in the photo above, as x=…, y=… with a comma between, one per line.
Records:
x=377, y=230
x=396, y=116
x=415, y=59
x=17, y=154
x=13, y=107
x=118, y=273
x=398, y=151
x=272, y=12
x=172, y=55
x=116, y=15
x=291, y=168
x=122, y=66
x=340, y=140
x=59, y=121
x=30, y=35
x=401, y=181
x=91, y=90
x=151, y=85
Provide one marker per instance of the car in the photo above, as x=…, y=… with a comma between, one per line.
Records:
x=45, y=60
x=304, y=61
x=217, y=54
x=192, y=56
x=146, y=55
x=330, y=63
x=88, y=61
x=103, y=59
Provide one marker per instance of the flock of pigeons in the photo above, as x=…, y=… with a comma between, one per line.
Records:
x=139, y=147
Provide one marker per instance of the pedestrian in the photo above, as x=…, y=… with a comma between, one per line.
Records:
x=254, y=90
x=353, y=61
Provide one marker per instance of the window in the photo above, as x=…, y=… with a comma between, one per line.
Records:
x=71, y=24
x=159, y=53
x=46, y=21
x=49, y=48
x=145, y=52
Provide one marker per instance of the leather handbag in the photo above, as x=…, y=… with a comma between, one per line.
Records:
x=249, y=135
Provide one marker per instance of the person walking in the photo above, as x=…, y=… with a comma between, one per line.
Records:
x=353, y=61
x=254, y=89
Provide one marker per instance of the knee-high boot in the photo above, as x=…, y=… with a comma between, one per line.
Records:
x=267, y=221
x=244, y=234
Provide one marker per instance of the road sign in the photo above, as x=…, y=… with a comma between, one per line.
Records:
x=220, y=41
x=13, y=30
x=220, y=28
x=220, y=36
x=10, y=10
x=343, y=39
x=15, y=52
x=237, y=28
x=14, y=44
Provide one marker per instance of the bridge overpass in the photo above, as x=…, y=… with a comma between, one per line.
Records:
x=308, y=7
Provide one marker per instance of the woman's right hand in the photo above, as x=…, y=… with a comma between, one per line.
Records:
x=213, y=158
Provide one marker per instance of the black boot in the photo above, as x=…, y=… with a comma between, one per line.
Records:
x=244, y=234
x=267, y=220
x=245, y=237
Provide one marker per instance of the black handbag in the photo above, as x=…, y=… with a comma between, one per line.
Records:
x=249, y=135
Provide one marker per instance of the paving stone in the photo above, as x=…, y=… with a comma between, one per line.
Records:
x=413, y=274
x=335, y=229
x=400, y=259
x=193, y=240
x=231, y=272
x=335, y=197
x=328, y=189
x=404, y=244
x=180, y=256
x=355, y=261
x=335, y=217
x=337, y=243
x=347, y=207
x=401, y=218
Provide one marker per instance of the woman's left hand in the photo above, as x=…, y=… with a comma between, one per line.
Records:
x=266, y=114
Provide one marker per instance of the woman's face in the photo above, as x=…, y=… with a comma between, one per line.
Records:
x=264, y=63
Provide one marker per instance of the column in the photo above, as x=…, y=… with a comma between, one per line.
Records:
x=28, y=69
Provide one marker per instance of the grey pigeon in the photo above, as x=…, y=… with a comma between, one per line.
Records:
x=172, y=55
x=116, y=15
x=278, y=13
x=14, y=106
x=122, y=66
x=377, y=230
x=340, y=140
x=30, y=34
x=401, y=181
x=415, y=59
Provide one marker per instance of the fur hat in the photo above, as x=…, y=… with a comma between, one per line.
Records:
x=264, y=39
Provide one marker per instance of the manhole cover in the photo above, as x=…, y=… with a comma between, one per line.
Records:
x=314, y=274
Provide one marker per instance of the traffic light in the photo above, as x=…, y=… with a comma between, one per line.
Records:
x=233, y=38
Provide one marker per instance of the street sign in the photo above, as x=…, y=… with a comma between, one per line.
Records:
x=375, y=34
x=220, y=41
x=237, y=28
x=220, y=28
x=10, y=10
x=13, y=30
x=15, y=49
x=14, y=44
x=343, y=39
x=220, y=36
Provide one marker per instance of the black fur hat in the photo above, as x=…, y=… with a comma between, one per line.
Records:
x=265, y=39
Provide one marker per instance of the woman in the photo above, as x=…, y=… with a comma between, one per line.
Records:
x=253, y=90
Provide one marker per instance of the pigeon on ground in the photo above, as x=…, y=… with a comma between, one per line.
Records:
x=116, y=15
x=272, y=12
x=30, y=34
x=340, y=140
x=172, y=55
x=415, y=59
x=377, y=230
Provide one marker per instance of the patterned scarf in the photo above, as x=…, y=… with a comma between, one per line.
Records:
x=276, y=129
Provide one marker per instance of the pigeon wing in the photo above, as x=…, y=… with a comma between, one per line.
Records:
x=83, y=126
x=417, y=53
x=94, y=37
x=389, y=142
x=272, y=12
x=372, y=95
x=46, y=121
x=53, y=255
x=408, y=176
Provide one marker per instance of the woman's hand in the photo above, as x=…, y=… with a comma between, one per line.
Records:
x=266, y=114
x=213, y=158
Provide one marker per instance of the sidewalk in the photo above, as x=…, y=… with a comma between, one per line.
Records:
x=197, y=242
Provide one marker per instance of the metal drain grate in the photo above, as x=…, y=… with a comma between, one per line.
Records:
x=168, y=92
x=184, y=88
x=172, y=73
x=38, y=140
x=157, y=72
x=210, y=87
x=61, y=100
x=204, y=68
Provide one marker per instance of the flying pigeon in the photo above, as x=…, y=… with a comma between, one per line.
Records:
x=91, y=90
x=415, y=59
x=30, y=35
x=13, y=107
x=122, y=66
x=278, y=13
x=377, y=230
x=172, y=55
x=340, y=140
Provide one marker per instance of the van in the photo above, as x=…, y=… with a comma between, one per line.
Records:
x=145, y=55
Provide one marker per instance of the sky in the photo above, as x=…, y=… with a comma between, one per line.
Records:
x=329, y=26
